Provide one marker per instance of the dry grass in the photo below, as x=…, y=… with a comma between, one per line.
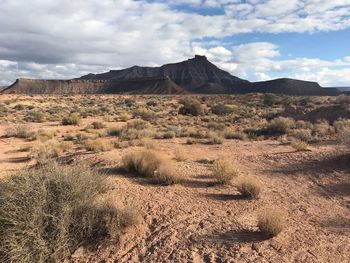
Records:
x=215, y=138
x=272, y=221
x=151, y=164
x=299, y=145
x=98, y=145
x=249, y=187
x=42, y=152
x=22, y=131
x=47, y=213
x=180, y=155
x=224, y=171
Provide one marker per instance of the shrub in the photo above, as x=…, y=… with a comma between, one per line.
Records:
x=216, y=126
x=144, y=113
x=97, y=125
x=280, y=125
x=42, y=152
x=98, y=145
x=35, y=116
x=270, y=99
x=124, y=116
x=20, y=131
x=299, y=145
x=271, y=222
x=302, y=134
x=150, y=164
x=114, y=131
x=322, y=128
x=224, y=171
x=137, y=124
x=190, y=107
x=249, y=187
x=344, y=136
x=341, y=124
x=47, y=213
x=215, y=138
x=168, y=135
x=236, y=135
x=71, y=119
x=222, y=109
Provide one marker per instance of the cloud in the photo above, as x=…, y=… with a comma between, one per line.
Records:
x=64, y=39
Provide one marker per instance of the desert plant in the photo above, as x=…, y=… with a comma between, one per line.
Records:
x=224, y=171
x=97, y=125
x=270, y=99
x=114, y=131
x=144, y=113
x=214, y=138
x=20, y=131
x=98, y=145
x=191, y=106
x=280, y=125
x=272, y=221
x=47, y=213
x=150, y=164
x=42, y=152
x=299, y=145
x=71, y=119
x=249, y=187
x=35, y=116
x=137, y=124
x=302, y=134
x=221, y=109
x=236, y=135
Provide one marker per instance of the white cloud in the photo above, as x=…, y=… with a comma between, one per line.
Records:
x=49, y=39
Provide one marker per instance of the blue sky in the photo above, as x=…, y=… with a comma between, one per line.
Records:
x=252, y=39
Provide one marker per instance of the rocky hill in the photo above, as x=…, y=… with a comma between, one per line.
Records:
x=195, y=75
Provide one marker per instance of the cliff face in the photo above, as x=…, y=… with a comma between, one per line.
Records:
x=37, y=86
x=196, y=75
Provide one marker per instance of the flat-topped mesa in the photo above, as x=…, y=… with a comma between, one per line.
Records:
x=195, y=75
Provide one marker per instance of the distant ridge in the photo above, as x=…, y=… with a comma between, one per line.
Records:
x=193, y=76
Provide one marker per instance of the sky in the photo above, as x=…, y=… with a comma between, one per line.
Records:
x=252, y=39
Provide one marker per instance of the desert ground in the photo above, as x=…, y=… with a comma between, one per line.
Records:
x=295, y=148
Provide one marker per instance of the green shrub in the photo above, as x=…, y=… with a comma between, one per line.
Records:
x=47, y=213
x=71, y=119
x=270, y=99
x=190, y=106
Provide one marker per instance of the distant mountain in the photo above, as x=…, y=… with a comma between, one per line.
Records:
x=195, y=75
x=343, y=88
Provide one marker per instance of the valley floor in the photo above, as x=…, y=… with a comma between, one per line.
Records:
x=198, y=221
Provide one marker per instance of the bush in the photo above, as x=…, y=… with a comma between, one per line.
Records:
x=322, y=128
x=34, y=116
x=42, y=152
x=216, y=126
x=115, y=131
x=224, y=171
x=144, y=113
x=299, y=145
x=222, y=109
x=302, y=134
x=97, y=125
x=137, y=124
x=235, y=135
x=71, y=119
x=270, y=99
x=47, y=213
x=280, y=125
x=215, y=138
x=150, y=164
x=190, y=107
x=98, y=145
x=249, y=187
x=20, y=131
x=271, y=222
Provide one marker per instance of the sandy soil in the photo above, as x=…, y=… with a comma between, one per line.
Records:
x=196, y=221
